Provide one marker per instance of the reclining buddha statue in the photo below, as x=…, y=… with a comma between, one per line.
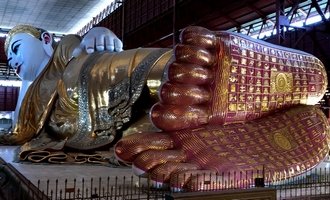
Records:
x=225, y=102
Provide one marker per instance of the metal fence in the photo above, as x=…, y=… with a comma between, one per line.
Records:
x=314, y=184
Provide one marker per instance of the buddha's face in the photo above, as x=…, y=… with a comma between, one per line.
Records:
x=26, y=54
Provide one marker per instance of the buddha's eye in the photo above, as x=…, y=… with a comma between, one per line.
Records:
x=15, y=46
x=15, y=49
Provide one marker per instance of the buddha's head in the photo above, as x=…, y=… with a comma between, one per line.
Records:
x=28, y=50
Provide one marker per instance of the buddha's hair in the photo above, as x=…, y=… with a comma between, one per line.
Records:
x=31, y=30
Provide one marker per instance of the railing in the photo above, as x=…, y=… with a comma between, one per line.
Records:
x=314, y=184
x=101, y=188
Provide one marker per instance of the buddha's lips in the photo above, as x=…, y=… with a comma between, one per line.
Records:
x=18, y=69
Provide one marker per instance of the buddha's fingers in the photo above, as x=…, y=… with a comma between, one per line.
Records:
x=129, y=147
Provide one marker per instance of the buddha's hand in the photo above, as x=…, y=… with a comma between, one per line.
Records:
x=195, y=147
x=99, y=39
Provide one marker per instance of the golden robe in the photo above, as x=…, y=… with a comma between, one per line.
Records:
x=82, y=102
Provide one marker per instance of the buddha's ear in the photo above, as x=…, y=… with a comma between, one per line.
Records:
x=47, y=42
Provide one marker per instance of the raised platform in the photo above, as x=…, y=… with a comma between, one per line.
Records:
x=80, y=181
x=65, y=180
x=43, y=171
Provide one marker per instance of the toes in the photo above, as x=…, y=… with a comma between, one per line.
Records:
x=185, y=98
x=162, y=173
x=195, y=35
x=194, y=180
x=128, y=148
x=183, y=94
x=189, y=73
x=170, y=117
x=194, y=54
x=147, y=160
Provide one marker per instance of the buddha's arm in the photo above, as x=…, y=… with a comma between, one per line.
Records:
x=98, y=94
